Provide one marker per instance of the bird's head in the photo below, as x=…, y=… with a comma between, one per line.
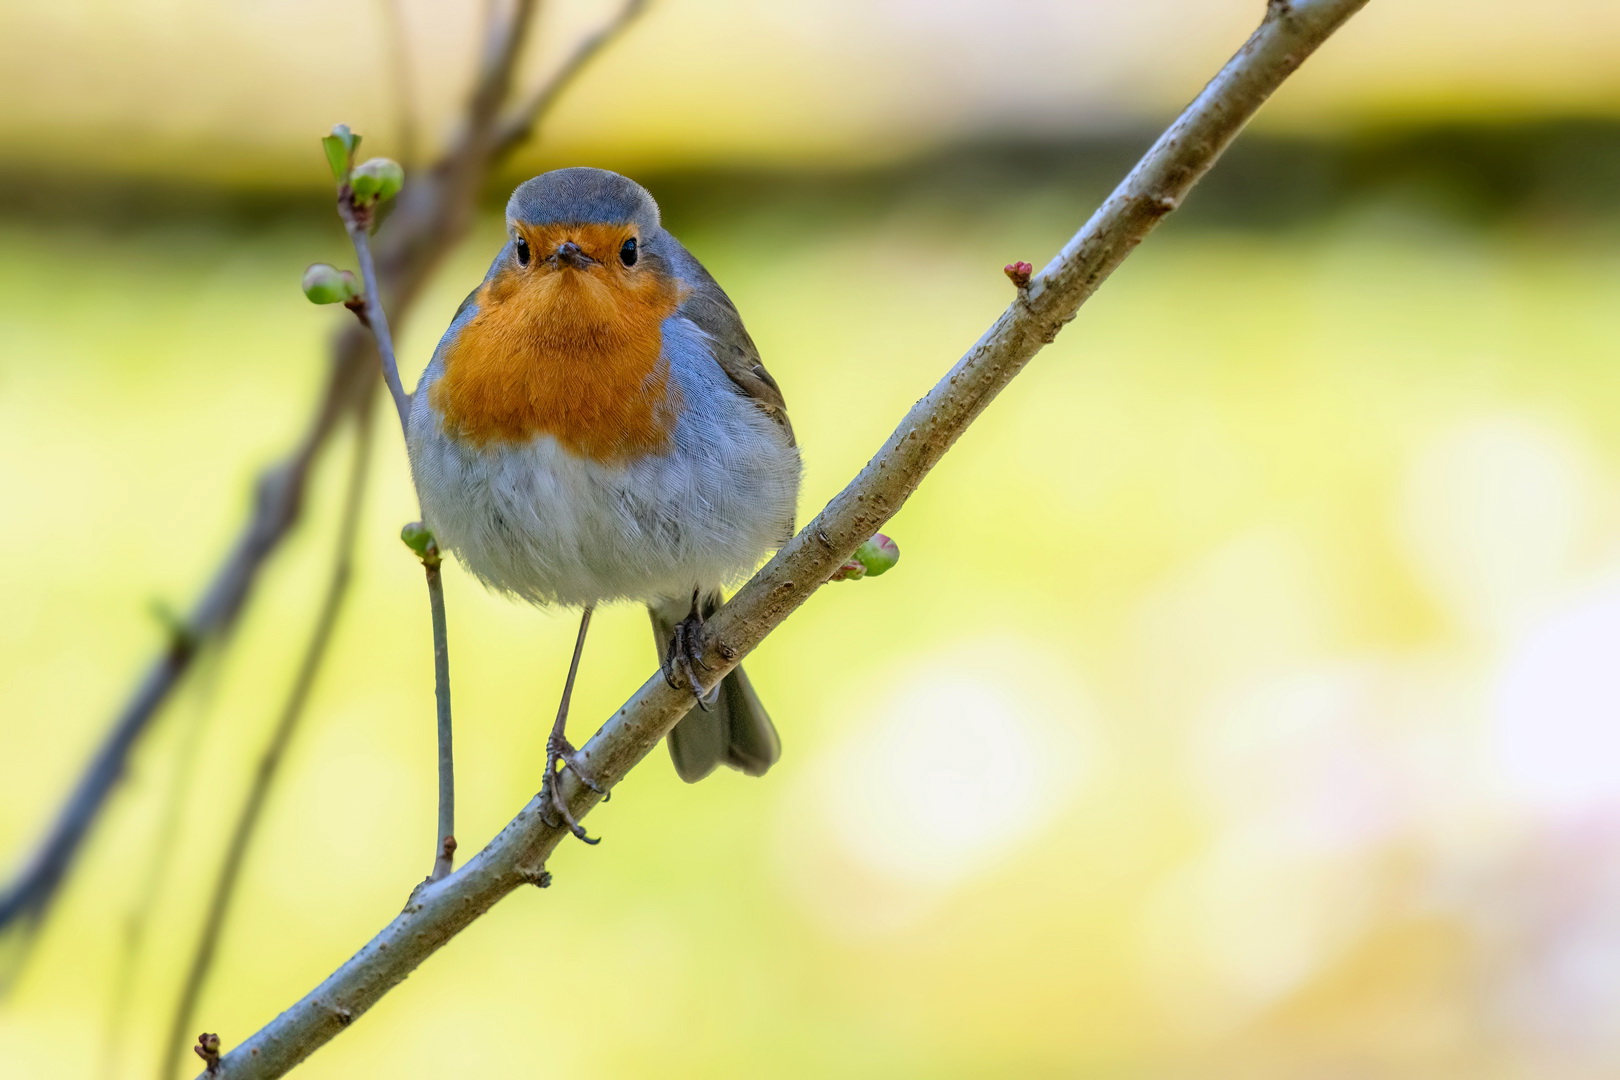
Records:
x=583, y=254
x=566, y=334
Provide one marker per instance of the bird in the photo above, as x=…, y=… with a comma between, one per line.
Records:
x=596, y=425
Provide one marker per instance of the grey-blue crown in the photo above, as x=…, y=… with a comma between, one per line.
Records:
x=582, y=196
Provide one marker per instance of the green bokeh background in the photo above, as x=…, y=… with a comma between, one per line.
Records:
x=1239, y=706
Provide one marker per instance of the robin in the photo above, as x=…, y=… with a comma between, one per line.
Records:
x=596, y=425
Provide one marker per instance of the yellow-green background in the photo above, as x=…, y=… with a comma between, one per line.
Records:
x=1246, y=702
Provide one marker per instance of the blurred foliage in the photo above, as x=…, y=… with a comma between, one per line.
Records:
x=1556, y=172
x=1546, y=172
x=1282, y=750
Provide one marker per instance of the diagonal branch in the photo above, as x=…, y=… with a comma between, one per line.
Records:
x=434, y=214
x=438, y=911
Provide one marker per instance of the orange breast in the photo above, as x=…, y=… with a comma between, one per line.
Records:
x=575, y=354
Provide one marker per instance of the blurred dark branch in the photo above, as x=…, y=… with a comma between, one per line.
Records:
x=437, y=911
x=396, y=45
x=275, y=750
x=154, y=872
x=279, y=497
x=493, y=87
x=520, y=125
x=433, y=215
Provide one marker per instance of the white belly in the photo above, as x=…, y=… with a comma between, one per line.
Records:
x=536, y=520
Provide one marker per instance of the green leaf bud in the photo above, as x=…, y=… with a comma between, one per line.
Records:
x=326, y=284
x=878, y=555
x=419, y=538
x=339, y=148
x=378, y=180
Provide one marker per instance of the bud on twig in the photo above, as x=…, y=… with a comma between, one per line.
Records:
x=207, y=1048
x=1019, y=273
x=878, y=555
x=326, y=284
x=376, y=181
x=419, y=538
x=340, y=147
x=874, y=558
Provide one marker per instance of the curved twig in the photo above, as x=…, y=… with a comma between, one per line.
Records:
x=438, y=911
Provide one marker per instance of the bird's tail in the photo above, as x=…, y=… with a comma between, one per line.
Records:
x=734, y=731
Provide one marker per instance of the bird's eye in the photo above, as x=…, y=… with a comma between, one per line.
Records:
x=522, y=247
x=627, y=252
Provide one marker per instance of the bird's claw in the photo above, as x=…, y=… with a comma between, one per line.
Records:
x=553, y=807
x=686, y=659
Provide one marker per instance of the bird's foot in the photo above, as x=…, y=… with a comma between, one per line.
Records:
x=553, y=807
x=685, y=659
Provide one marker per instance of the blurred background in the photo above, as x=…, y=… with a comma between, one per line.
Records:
x=1247, y=701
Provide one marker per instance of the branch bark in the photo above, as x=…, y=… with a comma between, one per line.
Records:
x=437, y=911
x=433, y=215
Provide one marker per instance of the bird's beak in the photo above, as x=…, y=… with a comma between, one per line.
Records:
x=571, y=254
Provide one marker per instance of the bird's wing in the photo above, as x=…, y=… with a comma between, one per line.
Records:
x=711, y=309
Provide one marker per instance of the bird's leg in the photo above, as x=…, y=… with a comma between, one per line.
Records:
x=686, y=654
x=559, y=751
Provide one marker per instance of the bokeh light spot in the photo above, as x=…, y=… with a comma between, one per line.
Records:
x=1557, y=707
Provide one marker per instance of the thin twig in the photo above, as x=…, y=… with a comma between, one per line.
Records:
x=275, y=750
x=357, y=219
x=437, y=912
x=372, y=314
x=445, y=854
x=434, y=215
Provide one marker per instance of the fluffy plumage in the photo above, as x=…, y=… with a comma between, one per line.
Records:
x=536, y=519
x=577, y=355
x=591, y=430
